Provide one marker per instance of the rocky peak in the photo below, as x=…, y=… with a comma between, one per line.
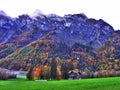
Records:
x=3, y=13
x=69, y=29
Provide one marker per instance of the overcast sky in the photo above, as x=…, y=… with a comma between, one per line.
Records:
x=109, y=10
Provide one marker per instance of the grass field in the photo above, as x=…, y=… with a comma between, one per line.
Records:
x=83, y=84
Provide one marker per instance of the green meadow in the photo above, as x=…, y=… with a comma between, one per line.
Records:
x=112, y=83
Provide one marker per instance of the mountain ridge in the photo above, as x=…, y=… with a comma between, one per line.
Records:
x=25, y=40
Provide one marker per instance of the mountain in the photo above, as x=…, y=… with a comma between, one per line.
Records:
x=27, y=41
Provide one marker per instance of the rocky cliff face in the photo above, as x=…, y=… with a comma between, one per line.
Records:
x=69, y=29
x=24, y=39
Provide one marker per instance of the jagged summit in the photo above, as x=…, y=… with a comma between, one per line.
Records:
x=36, y=13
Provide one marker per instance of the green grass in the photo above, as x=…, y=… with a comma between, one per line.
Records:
x=84, y=84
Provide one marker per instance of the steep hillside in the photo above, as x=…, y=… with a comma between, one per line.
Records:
x=44, y=50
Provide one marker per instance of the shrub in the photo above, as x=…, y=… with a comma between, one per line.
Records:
x=117, y=73
x=84, y=75
x=30, y=74
x=112, y=73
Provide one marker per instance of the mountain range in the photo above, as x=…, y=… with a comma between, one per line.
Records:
x=29, y=40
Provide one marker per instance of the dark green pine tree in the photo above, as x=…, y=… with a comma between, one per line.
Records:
x=53, y=69
x=66, y=67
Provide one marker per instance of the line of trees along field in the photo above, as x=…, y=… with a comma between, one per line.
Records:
x=69, y=69
x=7, y=74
